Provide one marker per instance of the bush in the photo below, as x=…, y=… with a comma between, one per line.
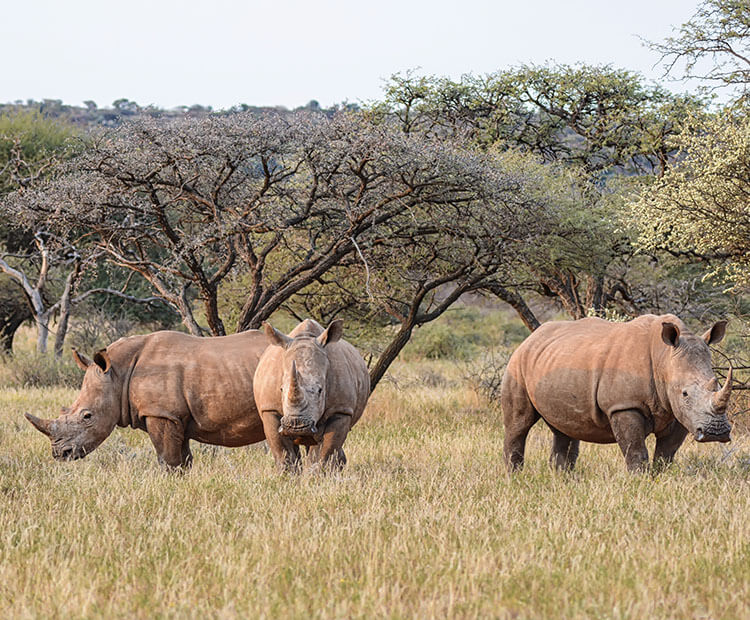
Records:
x=437, y=341
x=484, y=374
x=34, y=370
x=95, y=329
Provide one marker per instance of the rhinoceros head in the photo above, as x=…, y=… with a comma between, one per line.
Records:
x=304, y=377
x=693, y=391
x=92, y=417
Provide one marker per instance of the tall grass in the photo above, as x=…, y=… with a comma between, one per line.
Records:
x=423, y=522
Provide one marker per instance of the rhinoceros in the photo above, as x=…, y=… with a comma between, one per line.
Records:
x=604, y=382
x=174, y=386
x=311, y=387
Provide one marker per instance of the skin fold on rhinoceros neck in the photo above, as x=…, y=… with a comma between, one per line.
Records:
x=129, y=418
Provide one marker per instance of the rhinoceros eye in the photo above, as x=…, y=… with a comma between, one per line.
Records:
x=86, y=415
x=684, y=392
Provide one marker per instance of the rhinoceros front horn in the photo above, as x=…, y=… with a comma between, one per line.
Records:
x=43, y=426
x=721, y=398
x=295, y=393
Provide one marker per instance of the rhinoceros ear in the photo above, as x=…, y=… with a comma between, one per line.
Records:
x=670, y=334
x=101, y=359
x=332, y=333
x=82, y=361
x=275, y=336
x=716, y=333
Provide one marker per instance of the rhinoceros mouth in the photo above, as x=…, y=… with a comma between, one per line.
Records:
x=68, y=454
x=298, y=430
x=707, y=436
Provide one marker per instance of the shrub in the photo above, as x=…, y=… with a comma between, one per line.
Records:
x=34, y=370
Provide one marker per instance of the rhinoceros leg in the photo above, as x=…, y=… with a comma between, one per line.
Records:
x=630, y=430
x=285, y=452
x=519, y=416
x=668, y=443
x=331, y=450
x=564, y=451
x=168, y=437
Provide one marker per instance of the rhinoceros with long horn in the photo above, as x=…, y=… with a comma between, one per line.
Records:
x=311, y=387
x=604, y=382
x=174, y=386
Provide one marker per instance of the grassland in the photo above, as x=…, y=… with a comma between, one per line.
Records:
x=423, y=522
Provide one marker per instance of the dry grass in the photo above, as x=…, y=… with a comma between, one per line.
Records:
x=423, y=523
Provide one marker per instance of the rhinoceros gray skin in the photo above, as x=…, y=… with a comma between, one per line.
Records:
x=603, y=382
x=311, y=387
x=174, y=386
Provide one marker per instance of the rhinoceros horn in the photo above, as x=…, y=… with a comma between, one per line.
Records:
x=721, y=398
x=295, y=392
x=41, y=425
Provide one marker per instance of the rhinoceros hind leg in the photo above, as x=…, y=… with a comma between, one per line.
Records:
x=564, y=451
x=629, y=428
x=668, y=443
x=519, y=416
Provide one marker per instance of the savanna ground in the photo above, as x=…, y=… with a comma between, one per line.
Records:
x=423, y=522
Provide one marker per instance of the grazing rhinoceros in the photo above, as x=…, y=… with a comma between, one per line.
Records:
x=310, y=389
x=174, y=386
x=604, y=382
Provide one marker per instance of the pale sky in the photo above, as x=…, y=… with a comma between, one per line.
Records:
x=287, y=52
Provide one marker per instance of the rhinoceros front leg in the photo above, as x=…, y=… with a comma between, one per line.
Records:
x=667, y=444
x=285, y=452
x=168, y=437
x=630, y=429
x=331, y=450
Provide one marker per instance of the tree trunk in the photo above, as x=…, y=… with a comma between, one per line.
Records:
x=42, y=332
x=14, y=311
x=515, y=301
x=62, y=325
x=389, y=354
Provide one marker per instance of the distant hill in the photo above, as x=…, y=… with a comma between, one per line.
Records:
x=91, y=115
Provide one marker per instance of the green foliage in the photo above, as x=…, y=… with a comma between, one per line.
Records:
x=32, y=140
x=700, y=207
x=464, y=332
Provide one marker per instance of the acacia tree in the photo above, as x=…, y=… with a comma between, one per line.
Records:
x=282, y=200
x=713, y=46
x=426, y=259
x=701, y=207
x=600, y=122
x=46, y=268
x=30, y=146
